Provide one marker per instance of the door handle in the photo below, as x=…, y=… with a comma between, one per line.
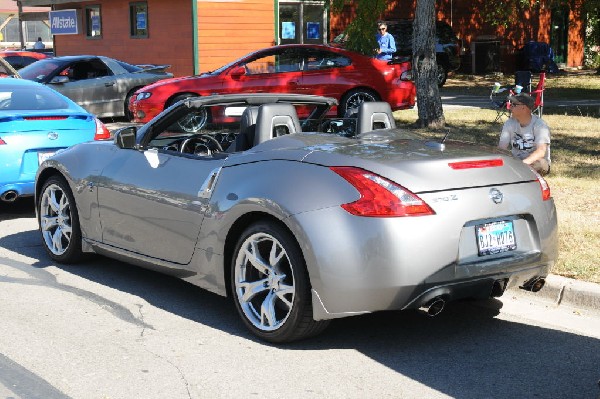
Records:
x=108, y=84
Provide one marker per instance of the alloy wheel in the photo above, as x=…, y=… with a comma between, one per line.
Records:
x=264, y=282
x=55, y=219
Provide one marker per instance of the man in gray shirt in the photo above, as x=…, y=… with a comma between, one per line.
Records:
x=528, y=135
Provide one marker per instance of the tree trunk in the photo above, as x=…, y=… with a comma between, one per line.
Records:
x=429, y=103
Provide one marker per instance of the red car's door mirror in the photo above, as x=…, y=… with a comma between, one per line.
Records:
x=237, y=72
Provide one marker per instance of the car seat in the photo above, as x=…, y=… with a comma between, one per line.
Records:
x=374, y=115
x=275, y=120
x=245, y=139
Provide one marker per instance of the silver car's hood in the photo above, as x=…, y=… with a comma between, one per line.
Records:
x=419, y=165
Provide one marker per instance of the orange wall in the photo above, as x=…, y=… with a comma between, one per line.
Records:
x=228, y=30
x=169, y=35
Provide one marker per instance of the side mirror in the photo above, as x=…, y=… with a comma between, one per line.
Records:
x=58, y=80
x=125, y=137
x=238, y=72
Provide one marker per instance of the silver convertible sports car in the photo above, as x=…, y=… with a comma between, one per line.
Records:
x=299, y=218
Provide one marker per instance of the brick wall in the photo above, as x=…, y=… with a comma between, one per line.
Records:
x=169, y=35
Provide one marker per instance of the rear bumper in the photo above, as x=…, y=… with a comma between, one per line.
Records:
x=23, y=189
x=374, y=264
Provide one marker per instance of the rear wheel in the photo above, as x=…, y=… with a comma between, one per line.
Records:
x=59, y=221
x=270, y=285
x=442, y=75
x=352, y=100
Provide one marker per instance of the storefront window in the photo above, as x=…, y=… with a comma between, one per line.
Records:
x=93, y=22
x=302, y=22
x=138, y=19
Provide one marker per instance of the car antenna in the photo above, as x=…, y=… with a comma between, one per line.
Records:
x=446, y=136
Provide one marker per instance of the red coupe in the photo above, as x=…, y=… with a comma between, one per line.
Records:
x=20, y=58
x=349, y=77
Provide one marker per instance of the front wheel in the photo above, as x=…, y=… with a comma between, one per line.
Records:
x=59, y=221
x=270, y=285
x=195, y=120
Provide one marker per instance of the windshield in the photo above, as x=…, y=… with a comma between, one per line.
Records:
x=19, y=97
x=40, y=70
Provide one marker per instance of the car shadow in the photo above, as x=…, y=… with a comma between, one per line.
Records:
x=465, y=352
x=21, y=208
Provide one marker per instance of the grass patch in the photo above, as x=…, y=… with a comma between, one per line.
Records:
x=578, y=85
x=574, y=179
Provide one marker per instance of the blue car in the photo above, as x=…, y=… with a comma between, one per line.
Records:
x=36, y=122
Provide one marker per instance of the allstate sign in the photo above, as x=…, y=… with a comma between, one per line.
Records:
x=63, y=22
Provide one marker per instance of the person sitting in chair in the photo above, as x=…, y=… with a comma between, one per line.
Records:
x=528, y=135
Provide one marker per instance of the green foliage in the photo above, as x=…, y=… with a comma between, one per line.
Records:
x=362, y=30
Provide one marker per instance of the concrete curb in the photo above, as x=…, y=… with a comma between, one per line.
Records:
x=567, y=291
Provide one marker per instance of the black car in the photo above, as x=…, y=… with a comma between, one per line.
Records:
x=447, y=45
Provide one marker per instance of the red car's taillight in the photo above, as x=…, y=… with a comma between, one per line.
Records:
x=2, y=142
x=544, y=186
x=102, y=133
x=380, y=197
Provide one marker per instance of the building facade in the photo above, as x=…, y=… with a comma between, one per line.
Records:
x=201, y=35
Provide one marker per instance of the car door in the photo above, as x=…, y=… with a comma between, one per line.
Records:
x=91, y=84
x=152, y=201
x=274, y=71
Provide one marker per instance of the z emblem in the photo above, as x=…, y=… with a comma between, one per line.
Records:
x=496, y=196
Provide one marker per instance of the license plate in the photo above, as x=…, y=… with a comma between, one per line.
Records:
x=42, y=156
x=495, y=237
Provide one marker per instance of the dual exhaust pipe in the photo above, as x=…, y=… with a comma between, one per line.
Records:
x=433, y=307
x=9, y=196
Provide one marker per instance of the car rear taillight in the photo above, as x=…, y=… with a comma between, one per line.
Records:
x=544, y=186
x=2, y=142
x=484, y=163
x=380, y=197
x=102, y=133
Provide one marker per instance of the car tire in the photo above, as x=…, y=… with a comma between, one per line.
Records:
x=59, y=221
x=128, y=115
x=194, y=121
x=270, y=285
x=442, y=75
x=352, y=100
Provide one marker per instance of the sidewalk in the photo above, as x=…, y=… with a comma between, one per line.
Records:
x=566, y=291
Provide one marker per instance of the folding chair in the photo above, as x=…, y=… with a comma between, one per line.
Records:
x=538, y=93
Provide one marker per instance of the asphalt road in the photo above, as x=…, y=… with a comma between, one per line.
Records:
x=103, y=329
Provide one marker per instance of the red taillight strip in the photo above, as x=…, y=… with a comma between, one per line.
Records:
x=484, y=163
x=44, y=118
x=380, y=197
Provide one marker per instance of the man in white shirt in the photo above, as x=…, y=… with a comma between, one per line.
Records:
x=526, y=134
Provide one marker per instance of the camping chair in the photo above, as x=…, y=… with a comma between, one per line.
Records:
x=499, y=95
x=538, y=94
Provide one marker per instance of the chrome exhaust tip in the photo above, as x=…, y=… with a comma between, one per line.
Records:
x=9, y=196
x=433, y=307
x=534, y=285
x=498, y=288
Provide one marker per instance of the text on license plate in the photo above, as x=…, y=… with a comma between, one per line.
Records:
x=42, y=156
x=495, y=237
